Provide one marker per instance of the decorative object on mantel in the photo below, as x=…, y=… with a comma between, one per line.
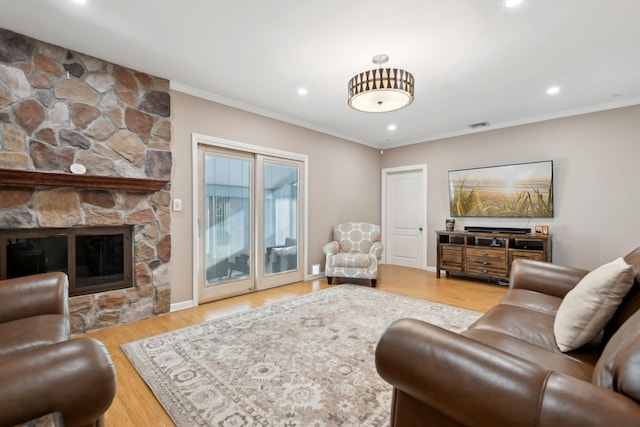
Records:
x=78, y=168
x=31, y=178
x=382, y=89
x=450, y=224
x=304, y=361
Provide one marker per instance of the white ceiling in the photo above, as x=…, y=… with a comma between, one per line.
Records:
x=473, y=60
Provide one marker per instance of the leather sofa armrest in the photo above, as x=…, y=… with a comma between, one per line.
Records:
x=35, y=295
x=544, y=277
x=75, y=378
x=477, y=385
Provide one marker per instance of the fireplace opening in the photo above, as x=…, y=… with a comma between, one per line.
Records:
x=96, y=259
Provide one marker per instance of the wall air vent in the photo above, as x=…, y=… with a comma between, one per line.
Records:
x=479, y=125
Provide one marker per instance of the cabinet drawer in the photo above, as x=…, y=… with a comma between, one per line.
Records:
x=490, y=262
x=486, y=269
x=451, y=258
x=486, y=253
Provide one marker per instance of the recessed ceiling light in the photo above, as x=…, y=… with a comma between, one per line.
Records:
x=80, y=1
x=512, y=3
x=553, y=90
x=302, y=91
x=392, y=127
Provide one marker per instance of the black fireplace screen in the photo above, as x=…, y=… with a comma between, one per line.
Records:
x=95, y=259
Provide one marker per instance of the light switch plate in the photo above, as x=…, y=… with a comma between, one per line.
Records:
x=177, y=205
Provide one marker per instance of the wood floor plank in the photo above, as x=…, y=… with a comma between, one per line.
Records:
x=136, y=406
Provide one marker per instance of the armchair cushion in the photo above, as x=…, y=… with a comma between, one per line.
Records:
x=45, y=293
x=32, y=332
x=352, y=260
x=588, y=307
x=356, y=237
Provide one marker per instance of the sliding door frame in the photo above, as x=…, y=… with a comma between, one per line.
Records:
x=199, y=139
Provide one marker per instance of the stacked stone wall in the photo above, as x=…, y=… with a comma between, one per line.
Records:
x=59, y=107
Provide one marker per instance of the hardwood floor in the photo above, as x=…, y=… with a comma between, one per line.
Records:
x=135, y=405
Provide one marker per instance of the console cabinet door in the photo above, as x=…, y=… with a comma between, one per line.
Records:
x=536, y=256
x=451, y=258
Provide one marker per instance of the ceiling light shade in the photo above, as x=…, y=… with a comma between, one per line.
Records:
x=382, y=89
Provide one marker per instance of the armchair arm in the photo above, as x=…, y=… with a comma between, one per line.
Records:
x=477, y=385
x=74, y=377
x=376, y=250
x=544, y=277
x=331, y=248
x=34, y=295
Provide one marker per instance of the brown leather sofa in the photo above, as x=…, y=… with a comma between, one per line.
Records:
x=41, y=369
x=506, y=369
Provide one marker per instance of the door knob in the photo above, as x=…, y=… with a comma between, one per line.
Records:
x=420, y=228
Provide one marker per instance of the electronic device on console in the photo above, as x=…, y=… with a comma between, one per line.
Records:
x=501, y=230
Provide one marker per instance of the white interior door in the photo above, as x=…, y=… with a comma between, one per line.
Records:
x=404, y=216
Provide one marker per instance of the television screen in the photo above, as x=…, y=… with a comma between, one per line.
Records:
x=510, y=191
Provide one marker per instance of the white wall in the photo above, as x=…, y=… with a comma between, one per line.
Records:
x=596, y=180
x=344, y=177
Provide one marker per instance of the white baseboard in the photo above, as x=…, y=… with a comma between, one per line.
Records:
x=314, y=276
x=182, y=306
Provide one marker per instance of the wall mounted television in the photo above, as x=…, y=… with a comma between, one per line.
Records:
x=523, y=190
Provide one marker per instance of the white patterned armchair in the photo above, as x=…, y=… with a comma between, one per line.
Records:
x=354, y=251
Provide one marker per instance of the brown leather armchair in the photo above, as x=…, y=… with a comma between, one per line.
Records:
x=41, y=369
x=506, y=369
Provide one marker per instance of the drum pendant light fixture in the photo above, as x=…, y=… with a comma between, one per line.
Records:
x=382, y=89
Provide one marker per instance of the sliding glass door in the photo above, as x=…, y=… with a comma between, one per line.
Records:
x=280, y=221
x=226, y=218
x=250, y=222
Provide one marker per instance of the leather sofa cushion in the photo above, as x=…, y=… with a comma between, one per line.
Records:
x=619, y=366
x=631, y=302
x=532, y=300
x=553, y=360
x=32, y=332
x=530, y=326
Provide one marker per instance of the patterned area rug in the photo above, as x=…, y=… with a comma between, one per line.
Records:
x=305, y=361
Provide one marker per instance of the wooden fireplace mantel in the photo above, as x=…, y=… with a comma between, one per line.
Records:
x=32, y=178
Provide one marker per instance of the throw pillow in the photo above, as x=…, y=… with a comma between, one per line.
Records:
x=587, y=308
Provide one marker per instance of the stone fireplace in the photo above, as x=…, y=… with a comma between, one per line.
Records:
x=59, y=107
